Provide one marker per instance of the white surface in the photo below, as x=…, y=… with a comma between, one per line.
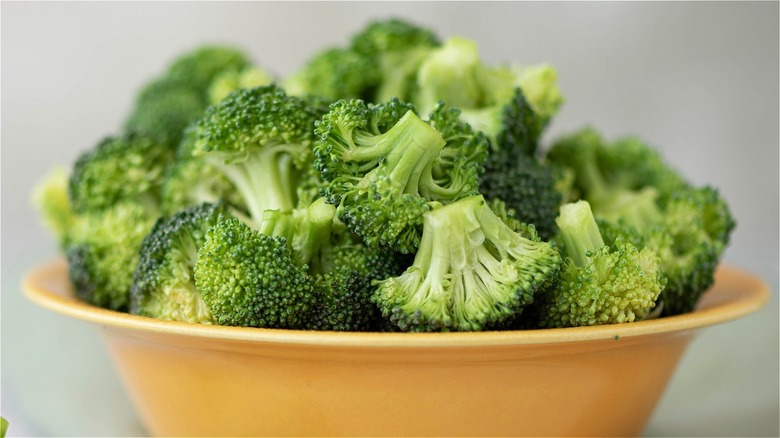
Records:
x=698, y=80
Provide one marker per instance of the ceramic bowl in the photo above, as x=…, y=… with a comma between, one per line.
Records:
x=189, y=379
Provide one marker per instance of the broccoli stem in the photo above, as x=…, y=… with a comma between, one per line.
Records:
x=579, y=231
x=265, y=179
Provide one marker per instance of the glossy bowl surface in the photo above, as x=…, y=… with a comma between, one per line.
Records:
x=190, y=379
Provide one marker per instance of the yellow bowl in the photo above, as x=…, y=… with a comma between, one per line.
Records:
x=190, y=379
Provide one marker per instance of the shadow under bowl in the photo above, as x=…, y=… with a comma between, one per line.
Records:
x=191, y=379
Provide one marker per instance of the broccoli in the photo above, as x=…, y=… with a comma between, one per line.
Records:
x=471, y=272
x=50, y=197
x=250, y=279
x=345, y=288
x=649, y=204
x=698, y=224
x=396, y=47
x=261, y=140
x=102, y=253
x=335, y=73
x=624, y=179
x=232, y=80
x=598, y=283
x=384, y=167
x=163, y=281
x=126, y=168
x=493, y=100
x=199, y=67
x=163, y=108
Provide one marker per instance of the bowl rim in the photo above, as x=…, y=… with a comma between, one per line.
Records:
x=735, y=293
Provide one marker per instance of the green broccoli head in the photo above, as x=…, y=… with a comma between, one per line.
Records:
x=102, y=253
x=625, y=179
x=598, y=283
x=199, y=67
x=690, y=240
x=384, y=167
x=471, y=272
x=395, y=47
x=249, y=279
x=163, y=282
x=127, y=168
x=163, y=108
x=261, y=140
x=335, y=73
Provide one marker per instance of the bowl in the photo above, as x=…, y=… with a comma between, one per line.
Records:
x=191, y=379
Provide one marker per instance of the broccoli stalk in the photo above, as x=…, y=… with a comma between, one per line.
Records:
x=598, y=284
x=471, y=272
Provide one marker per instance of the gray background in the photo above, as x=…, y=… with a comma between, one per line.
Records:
x=698, y=80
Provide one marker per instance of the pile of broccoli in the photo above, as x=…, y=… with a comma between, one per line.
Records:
x=394, y=183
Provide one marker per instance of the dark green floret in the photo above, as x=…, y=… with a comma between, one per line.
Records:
x=164, y=281
x=249, y=279
x=163, y=108
x=598, y=283
x=384, y=167
x=471, y=272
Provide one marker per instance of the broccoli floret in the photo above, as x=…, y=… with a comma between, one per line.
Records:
x=396, y=47
x=629, y=185
x=690, y=240
x=598, y=283
x=163, y=282
x=491, y=99
x=102, y=253
x=50, y=197
x=232, y=80
x=250, y=279
x=199, y=67
x=126, y=168
x=384, y=167
x=336, y=73
x=625, y=179
x=471, y=272
x=163, y=108
x=527, y=185
x=261, y=140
